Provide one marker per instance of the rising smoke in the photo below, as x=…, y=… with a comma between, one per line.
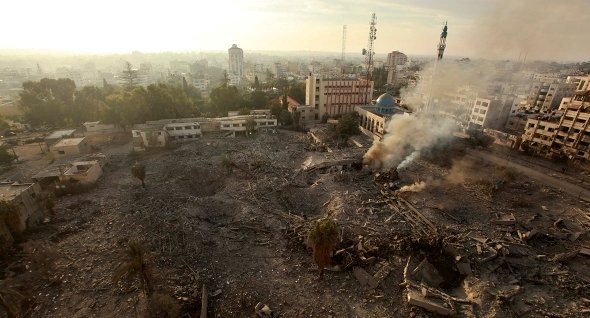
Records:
x=406, y=137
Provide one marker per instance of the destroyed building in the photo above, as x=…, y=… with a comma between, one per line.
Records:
x=69, y=147
x=23, y=197
x=567, y=131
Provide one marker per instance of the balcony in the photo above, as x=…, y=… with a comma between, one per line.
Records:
x=567, y=123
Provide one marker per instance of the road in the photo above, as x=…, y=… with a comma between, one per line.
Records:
x=540, y=174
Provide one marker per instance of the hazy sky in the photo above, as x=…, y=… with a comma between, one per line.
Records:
x=544, y=28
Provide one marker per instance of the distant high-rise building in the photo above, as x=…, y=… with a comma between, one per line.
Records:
x=394, y=59
x=236, y=62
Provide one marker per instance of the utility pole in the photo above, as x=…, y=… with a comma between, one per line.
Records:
x=369, y=52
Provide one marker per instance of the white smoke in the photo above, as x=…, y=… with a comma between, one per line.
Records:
x=407, y=136
x=416, y=187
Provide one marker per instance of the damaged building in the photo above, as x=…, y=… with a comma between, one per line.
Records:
x=566, y=131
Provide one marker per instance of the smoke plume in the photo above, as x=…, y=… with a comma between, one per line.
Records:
x=416, y=187
x=407, y=136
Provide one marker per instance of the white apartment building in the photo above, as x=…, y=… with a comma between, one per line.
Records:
x=201, y=84
x=238, y=123
x=236, y=64
x=490, y=113
x=546, y=96
x=183, y=131
x=337, y=96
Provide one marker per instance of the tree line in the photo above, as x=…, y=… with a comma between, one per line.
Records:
x=59, y=103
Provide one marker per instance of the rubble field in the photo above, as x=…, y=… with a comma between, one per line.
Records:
x=460, y=238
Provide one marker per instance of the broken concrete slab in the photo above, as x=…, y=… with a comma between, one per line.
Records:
x=464, y=268
x=434, y=305
x=428, y=274
x=505, y=219
x=364, y=278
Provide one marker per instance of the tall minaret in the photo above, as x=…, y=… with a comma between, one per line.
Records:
x=443, y=43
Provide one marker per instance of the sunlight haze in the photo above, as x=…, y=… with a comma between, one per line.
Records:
x=277, y=25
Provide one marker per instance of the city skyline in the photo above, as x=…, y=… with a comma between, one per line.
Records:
x=482, y=28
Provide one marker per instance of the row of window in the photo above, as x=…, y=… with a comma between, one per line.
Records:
x=181, y=127
x=481, y=103
x=185, y=137
x=259, y=123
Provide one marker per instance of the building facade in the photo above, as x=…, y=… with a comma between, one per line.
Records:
x=337, y=96
x=183, y=131
x=394, y=60
x=490, y=113
x=566, y=132
x=236, y=65
x=69, y=147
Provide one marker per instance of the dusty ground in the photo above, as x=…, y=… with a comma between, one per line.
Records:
x=241, y=233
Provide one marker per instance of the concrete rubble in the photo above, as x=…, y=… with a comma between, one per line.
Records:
x=234, y=214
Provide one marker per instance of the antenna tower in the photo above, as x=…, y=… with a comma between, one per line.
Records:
x=369, y=53
x=342, y=57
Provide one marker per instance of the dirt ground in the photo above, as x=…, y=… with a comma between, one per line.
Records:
x=240, y=231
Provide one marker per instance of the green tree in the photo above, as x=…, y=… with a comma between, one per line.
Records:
x=297, y=91
x=129, y=77
x=126, y=107
x=48, y=101
x=323, y=238
x=347, y=126
x=88, y=104
x=135, y=264
x=258, y=99
x=225, y=98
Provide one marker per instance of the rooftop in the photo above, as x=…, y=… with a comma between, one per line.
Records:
x=69, y=142
x=60, y=134
x=9, y=190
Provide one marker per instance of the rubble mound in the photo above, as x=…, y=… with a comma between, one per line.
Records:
x=204, y=182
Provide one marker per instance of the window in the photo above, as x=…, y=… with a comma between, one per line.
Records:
x=188, y=127
x=61, y=152
x=478, y=102
x=551, y=129
x=178, y=128
x=568, y=118
x=484, y=104
x=541, y=127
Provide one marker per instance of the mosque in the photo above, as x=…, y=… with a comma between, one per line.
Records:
x=373, y=118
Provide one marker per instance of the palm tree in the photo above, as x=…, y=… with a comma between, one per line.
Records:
x=138, y=171
x=135, y=265
x=323, y=238
x=10, y=299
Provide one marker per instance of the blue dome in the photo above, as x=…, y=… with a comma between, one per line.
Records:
x=385, y=100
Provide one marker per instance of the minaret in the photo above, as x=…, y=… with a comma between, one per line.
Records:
x=443, y=42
